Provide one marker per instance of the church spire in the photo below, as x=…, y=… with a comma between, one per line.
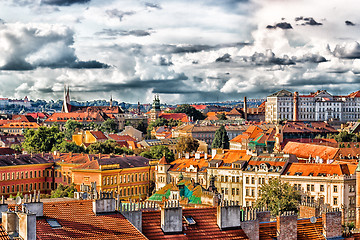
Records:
x=66, y=100
x=111, y=101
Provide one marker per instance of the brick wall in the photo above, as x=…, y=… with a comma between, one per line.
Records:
x=332, y=224
x=308, y=211
x=286, y=227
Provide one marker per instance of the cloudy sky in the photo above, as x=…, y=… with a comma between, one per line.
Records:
x=184, y=50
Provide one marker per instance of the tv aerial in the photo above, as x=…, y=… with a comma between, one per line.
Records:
x=313, y=219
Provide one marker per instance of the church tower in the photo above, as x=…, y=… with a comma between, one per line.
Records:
x=66, y=101
x=111, y=102
x=155, y=110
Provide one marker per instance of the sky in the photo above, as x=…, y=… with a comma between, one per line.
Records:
x=186, y=51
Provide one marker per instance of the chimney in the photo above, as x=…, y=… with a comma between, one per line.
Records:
x=10, y=222
x=245, y=108
x=197, y=155
x=332, y=224
x=250, y=223
x=106, y=203
x=187, y=155
x=213, y=152
x=34, y=205
x=132, y=213
x=3, y=206
x=228, y=215
x=296, y=106
x=205, y=156
x=263, y=216
x=286, y=226
x=171, y=217
x=27, y=225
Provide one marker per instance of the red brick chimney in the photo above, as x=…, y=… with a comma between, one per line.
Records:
x=286, y=226
x=332, y=224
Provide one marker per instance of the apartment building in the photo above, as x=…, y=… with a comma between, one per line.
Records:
x=318, y=106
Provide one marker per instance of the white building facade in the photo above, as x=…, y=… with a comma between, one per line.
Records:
x=319, y=106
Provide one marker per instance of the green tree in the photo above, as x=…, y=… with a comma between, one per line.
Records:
x=187, y=144
x=278, y=197
x=221, y=139
x=109, y=126
x=63, y=191
x=66, y=147
x=190, y=111
x=70, y=127
x=108, y=147
x=17, y=147
x=221, y=116
x=43, y=139
x=157, y=152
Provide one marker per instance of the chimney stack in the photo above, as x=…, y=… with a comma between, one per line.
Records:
x=332, y=224
x=187, y=155
x=27, y=225
x=286, y=225
x=171, y=217
x=228, y=215
x=197, y=155
x=105, y=204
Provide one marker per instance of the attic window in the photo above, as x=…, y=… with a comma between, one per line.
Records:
x=298, y=173
x=53, y=223
x=189, y=220
x=311, y=174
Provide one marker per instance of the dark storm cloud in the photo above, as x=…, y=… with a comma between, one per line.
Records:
x=169, y=85
x=63, y=2
x=113, y=32
x=282, y=25
x=115, y=13
x=349, y=23
x=29, y=47
x=313, y=58
x=347, y=51
x=198, y=48
x=225, y=58
x=307, y=21
x=153, y=5
x=269, y=58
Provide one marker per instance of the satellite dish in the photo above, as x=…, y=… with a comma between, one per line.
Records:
x=18, y=200
x=313, y=219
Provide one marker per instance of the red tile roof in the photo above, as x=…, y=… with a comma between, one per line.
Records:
x=21, y=125
x=176, y=116
x=121, y=138
x=78, y=116
x=6, y=150
x=99, y=135
x=205, y=227
x=79, y=222
x=305, y=150
x=307, y=169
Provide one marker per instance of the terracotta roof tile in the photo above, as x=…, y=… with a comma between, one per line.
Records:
x=204, y=228
x=314, y=169
x=304, y=150
x=79, y=222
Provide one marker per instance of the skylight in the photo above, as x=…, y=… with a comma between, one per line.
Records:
x=190, y=220
x=53, y=223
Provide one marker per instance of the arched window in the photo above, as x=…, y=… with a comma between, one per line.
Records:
x=115, y=180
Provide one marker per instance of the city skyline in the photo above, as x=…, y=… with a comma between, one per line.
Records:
x=187, y=51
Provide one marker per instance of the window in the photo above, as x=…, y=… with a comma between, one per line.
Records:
x=252, y=180
x=233, y=191
x=247, y=180
x=321, y=188
x=335, y=201
x=31, y=174
x=226, y=191
x=308, y=187
x=226, y=178
x=247, y=192
x=237, y=191
x=335, y=188
x=312, y=187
